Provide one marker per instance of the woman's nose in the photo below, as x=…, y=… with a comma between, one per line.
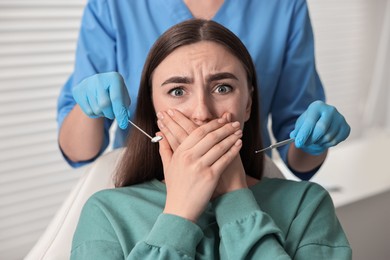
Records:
x=202, y=111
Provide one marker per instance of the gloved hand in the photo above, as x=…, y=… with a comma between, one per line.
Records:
x=104, y=95
x=319, y=127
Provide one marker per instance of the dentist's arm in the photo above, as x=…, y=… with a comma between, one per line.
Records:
x=301, y=161
x=81, y=137
x=82, y=132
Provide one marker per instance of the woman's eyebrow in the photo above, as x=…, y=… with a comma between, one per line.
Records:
x=210, y=78
x=220, y=76
x=178, y=79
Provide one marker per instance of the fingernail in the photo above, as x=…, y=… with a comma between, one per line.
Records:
x=170, y=112
x=221, y=120
x=299, y=142
x=229, y=117
x=160, y=124
x=238, y=132
x=238, y=142
x=236, y=124
x=160, y=115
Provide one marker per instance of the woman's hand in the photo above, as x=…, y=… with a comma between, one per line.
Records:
x=176, y=127
x=193, y=170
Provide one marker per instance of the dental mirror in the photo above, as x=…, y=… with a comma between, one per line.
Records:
x=155, y=139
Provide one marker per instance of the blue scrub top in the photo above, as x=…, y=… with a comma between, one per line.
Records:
x=117, y=35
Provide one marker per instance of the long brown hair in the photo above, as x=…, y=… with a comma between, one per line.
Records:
x=141, y=160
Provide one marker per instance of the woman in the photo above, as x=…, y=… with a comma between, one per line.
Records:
x=200, y=194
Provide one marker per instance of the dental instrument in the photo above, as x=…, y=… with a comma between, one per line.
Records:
x=275, y=145
x=155, y=139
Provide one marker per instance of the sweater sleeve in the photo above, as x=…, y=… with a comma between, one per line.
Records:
x=316, y=232
x=96, y=236
x=247, y=232
x=171, y=237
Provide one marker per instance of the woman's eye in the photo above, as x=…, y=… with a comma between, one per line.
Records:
x=176, y=92
x=223, y=89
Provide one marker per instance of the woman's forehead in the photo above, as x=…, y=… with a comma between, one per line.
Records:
x=204, y=55
x=202, y=49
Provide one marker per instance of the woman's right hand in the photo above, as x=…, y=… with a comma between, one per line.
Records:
x=176, y=127
x=193, y=170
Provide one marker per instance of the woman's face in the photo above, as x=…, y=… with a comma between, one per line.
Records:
x=203, y=81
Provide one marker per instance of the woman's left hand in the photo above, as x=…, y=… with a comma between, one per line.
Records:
x=321, y=126
x=176, y=127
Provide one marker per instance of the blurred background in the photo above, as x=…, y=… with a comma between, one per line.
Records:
x=37, y=45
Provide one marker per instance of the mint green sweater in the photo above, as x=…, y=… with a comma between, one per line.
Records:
x=274, y=219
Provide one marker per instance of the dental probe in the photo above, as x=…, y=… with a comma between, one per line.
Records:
x=155, y=139
x=275, y=145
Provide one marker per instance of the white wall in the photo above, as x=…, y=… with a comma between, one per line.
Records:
x=37, y=43
x=347, y=34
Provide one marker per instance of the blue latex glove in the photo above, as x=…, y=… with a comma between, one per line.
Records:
x=104, y=95
x=321, y=126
